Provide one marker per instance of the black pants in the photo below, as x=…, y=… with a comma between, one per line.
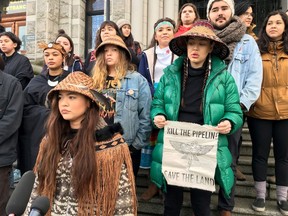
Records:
x=4, y=188
x=262, y=131
x=136, y=158
x=225, y=203
x=200, y=201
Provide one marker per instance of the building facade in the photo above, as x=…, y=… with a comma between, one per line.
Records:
x=39, y=20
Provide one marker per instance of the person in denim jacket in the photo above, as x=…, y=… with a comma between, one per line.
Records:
x=245, y=65
x=129, y=94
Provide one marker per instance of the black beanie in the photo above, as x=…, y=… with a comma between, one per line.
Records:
x=242, y=6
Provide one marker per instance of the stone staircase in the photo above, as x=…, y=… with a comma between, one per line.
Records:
x=245, y=193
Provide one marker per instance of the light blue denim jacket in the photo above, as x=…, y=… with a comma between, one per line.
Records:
x=133, y=102
x=246, y=68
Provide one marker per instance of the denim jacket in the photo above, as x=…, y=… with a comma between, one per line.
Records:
x=246, y=68
x=133, y=102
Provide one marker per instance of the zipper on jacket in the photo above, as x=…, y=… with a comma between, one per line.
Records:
x=205, y=90
x=275, y=54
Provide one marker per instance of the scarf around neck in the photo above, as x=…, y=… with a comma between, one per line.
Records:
x=232, y=34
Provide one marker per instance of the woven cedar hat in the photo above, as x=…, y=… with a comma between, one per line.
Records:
x=203, y=29
x=52, y=45
x=81, y=83
x=114, y=40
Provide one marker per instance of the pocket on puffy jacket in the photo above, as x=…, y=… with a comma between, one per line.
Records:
x=132, y=96
x=239, y=60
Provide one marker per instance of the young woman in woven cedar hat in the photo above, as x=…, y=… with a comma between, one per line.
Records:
x=196, y=88
x=83, y=166
x=114, y=76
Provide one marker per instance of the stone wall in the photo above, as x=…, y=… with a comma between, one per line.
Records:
x=46, y=17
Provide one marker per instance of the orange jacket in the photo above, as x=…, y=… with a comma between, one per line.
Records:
x=272, y=103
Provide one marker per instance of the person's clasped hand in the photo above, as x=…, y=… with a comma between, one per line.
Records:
x=160, y=121
x=224, y=127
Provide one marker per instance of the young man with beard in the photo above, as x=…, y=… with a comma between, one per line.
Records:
x=245, y=65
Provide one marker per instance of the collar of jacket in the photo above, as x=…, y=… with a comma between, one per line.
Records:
x=217, y=65
x=129, y=74
x=108, y=132
x=275, y=48
x=1, y=77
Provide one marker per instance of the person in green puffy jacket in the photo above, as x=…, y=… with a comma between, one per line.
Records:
x=196, y=88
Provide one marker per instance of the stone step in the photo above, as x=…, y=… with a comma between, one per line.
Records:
x=244, y=189
x=246, y=148
x=245, y=165
x=242, y=206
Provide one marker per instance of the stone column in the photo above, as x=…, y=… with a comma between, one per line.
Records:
x=73, y=22
x=153, y=16
x=137, y=19
x=46, y=17
x=42, y=23
x=169, y=8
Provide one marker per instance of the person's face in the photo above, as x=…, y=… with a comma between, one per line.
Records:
x=7, y=45
x=111, y=55
x=188, y=15
x=164, y=34
x=220, y=14
x=247, y=17
x=126, y=30
x=72, y=107
x=107, y=31
x=275, y=27
x=53, y=59
x=65, y=43
x=198, y=50
x=286, y=13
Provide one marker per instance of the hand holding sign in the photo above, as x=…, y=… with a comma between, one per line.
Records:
x=160, y=121
x=224, y=127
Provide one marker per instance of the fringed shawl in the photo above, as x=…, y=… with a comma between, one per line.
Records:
x=115, y=192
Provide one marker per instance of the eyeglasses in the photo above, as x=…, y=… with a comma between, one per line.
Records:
x=247, y=14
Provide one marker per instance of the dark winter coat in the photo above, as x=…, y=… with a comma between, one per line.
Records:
x=11, y=109
x=34, y=117
x=20, y=67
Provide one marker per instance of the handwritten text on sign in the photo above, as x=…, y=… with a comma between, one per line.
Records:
x=189, y=155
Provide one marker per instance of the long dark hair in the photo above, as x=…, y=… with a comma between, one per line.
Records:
x=98, y=39
x=70, y=56
x=179, y=21
x=264, y=39
x=83, y=150
x=129, y=41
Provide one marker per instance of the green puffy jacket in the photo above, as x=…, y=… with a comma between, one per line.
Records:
x=221, y=101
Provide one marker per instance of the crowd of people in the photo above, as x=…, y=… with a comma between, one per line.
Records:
x=85, y=128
